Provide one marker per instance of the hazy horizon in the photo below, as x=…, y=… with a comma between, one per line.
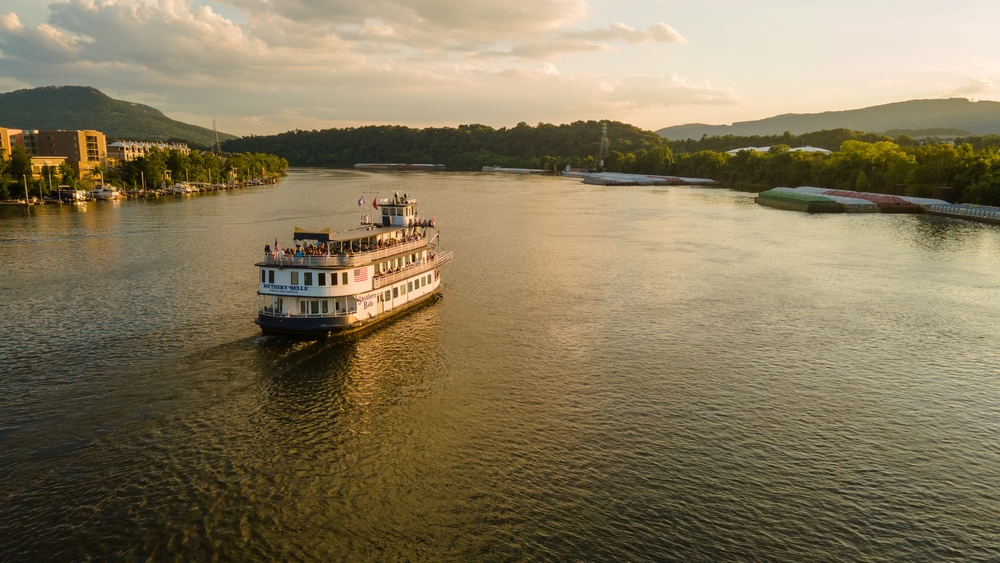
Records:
x=264, y=67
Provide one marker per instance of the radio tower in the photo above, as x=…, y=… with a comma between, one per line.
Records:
x=605, y=146
x=217, y=148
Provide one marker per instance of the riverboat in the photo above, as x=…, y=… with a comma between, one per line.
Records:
x=339, y=283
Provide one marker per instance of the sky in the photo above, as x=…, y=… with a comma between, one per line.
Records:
x=267, y=66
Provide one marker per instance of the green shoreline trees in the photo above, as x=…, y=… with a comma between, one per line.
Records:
x=864, y=161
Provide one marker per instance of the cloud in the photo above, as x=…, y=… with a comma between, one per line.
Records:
x=975, y=86
x=571, y=42
x=313, y=64
x=430, y=23
x=658, y=33
x=666, y=90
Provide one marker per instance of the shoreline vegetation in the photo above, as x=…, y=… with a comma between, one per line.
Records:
x=158, y=168
x=861, y=161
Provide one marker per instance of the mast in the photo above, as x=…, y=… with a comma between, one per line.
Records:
x=217, y=147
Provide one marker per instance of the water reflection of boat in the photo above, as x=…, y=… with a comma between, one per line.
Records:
x=337, y=283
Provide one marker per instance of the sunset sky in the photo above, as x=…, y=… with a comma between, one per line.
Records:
x=266, y=66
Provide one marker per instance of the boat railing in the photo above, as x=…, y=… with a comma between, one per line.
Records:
x=438, y=260
x=352, y=259
x=267, y=311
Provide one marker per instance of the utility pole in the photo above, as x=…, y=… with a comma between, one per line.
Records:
x=605, y=149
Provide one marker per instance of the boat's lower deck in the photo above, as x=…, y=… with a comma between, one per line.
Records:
x=323, y=327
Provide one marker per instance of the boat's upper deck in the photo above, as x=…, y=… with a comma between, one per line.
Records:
x=351, y=256
x=401, y=231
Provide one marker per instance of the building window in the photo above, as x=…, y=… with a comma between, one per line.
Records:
x=307, y=278
x=295, y=278
x=302, y=307
x=395, y=292
x=322, y=280
x=326, y=306
x=345, y=278
x=270, y=276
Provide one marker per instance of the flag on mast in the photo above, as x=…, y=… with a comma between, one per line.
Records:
x=361, y=201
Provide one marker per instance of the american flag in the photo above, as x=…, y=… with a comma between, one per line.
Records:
x=360, y=275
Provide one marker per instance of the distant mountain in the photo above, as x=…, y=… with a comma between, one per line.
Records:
x=979, y=118
x=83, y=107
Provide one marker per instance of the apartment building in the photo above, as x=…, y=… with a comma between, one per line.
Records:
x=125, y=151
x=83, y=150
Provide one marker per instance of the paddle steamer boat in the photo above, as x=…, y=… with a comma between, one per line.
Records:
x=338, y=283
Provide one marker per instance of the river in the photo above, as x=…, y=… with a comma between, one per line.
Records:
x=639, y=373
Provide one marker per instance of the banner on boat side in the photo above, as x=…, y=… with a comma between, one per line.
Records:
x=285, y=289
x=366, y=302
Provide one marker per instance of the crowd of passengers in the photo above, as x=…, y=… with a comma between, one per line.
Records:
x=325, y=250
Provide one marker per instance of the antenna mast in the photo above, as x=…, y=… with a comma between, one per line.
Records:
x=217, y=147
x=605, y=146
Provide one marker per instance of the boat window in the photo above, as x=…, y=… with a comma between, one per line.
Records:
x=295, y=278
x=302, y=307
x=333, y=278
x=386, y=298
x=422, y=281
x=270, y=276
x=308, y=278
x=322, y=280
x=281, y=304
x=395, y=292
x=262, y=278
x=345, y=278
x=409, y=286
x=314, y=307
x=385, y=211
x=402, y=289
x=326, y=304
x=336, y=304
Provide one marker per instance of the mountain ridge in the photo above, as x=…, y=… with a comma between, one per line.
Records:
x=86, y=107
x=979, y=118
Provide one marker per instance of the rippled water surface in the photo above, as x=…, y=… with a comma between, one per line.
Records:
x=610, y=374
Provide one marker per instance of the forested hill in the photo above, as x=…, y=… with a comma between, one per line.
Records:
x=83, y=107
x=978, y=118
x=467, y=147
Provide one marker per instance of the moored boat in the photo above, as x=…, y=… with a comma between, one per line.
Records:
x=106, y=193
x=338, y=283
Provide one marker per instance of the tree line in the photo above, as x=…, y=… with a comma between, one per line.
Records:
x=857, y=165
x=466, y=147
x=155, y=169
x=860, y=161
